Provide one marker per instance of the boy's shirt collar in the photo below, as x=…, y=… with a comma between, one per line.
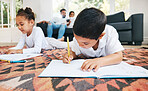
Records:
x=102, y=42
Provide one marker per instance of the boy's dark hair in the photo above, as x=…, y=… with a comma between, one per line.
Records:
x=71, y=12
x=27, y=13
x=90, y=23
x=62, y=10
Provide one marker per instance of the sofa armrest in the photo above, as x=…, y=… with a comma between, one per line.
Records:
x=137, y=27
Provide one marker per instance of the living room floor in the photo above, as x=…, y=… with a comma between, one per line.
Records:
x=8, y=44
x=125, y=46
x=134, y=46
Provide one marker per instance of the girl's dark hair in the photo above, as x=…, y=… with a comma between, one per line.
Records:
x=27, y=13
x=90, y=23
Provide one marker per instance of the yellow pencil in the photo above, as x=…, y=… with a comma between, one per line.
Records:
x=68, y=48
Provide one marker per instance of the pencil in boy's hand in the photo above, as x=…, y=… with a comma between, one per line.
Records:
x=68, y=48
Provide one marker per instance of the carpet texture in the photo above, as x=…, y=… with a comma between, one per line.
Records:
x=24, y=76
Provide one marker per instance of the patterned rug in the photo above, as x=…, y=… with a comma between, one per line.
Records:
x=24, y=76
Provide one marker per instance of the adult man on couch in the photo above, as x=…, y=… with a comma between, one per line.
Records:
x=57, y=22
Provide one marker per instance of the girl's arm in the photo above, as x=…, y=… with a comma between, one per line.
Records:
x=21, y=43
x=38, y=40
x=18, y=48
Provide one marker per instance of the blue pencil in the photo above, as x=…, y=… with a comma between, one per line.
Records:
x=19, y=61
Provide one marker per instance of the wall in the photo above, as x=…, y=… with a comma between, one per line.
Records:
x=10, y=35
x=41, y=8
x=140, y=6
x=46, y=10
x=34, y=5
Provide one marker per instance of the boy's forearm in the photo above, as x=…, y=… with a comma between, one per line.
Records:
x=111, y=59
x=73, y=54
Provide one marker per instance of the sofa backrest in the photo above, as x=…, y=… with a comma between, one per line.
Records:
x=118, y=17
x=44, y=27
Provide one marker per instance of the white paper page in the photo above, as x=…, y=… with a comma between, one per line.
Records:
x=59, y=69
x=122, y=70
x=15, y=57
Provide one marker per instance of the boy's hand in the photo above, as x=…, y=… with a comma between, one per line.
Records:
x=90, y=64
x=66, y=59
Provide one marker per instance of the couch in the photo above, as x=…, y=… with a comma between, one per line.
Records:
x=130, y=31
x=68, y=31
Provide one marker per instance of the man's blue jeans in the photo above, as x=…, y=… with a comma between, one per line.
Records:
x=52, y=26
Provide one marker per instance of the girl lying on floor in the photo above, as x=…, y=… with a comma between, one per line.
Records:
x=32, y=36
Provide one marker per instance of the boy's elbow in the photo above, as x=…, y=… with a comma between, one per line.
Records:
x=120, y=56
x=38, y=51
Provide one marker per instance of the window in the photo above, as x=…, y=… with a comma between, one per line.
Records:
x=8, y=9
x=5, y=14
x=79, y=5
x=107, y=6
x=57, y=6
x=18, y=5
x=122, y=5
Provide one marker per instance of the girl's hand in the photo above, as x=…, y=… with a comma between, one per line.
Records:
x=66, y=59
x=12, y=51
x=90, y=64
x=3, y=51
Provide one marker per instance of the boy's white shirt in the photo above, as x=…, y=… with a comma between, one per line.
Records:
x=34, y=42
x=109, y=44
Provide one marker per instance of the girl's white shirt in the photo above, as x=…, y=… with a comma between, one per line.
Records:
x=34, y=42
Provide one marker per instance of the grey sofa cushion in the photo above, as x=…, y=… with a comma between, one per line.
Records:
x=122, y=26
x=118, y=17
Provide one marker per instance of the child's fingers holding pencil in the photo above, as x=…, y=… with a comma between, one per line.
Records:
x=60, y=57
x=67, y=58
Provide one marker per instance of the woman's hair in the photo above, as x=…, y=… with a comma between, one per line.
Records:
x=27, y=13
x=71, y=12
